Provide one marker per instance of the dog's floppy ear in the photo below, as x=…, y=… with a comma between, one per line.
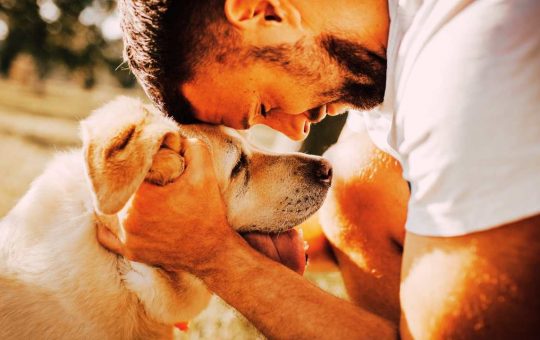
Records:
x=120, y=141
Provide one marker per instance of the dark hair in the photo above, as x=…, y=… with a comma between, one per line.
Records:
x=164, y=40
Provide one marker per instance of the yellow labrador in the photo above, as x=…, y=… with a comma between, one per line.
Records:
x=56, y=281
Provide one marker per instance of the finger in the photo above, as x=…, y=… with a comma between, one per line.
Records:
x=108, y=240
x=197, y=157
x=195, y=151
x=172, y=141
x=197, y=167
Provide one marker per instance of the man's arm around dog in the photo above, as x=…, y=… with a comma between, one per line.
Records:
x=473, y=272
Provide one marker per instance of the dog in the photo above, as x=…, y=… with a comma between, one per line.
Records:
x=57, y=282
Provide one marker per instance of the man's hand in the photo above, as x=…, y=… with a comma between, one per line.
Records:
x=183, y=226
x=179, y=226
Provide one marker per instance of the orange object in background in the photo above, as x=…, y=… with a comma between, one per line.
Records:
x=182, y=326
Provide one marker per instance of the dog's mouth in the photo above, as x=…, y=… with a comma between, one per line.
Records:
x=286, y=247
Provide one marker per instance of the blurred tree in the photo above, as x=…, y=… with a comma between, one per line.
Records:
x=71, y=33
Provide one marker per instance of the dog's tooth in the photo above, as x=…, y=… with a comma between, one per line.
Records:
x=306, y=246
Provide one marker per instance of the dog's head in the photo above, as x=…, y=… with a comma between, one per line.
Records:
x=126, y=143
x=264, y=191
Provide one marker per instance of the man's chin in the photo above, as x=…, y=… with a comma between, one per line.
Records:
x=286, y=247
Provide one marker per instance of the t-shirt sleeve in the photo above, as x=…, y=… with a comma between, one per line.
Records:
x=469, y=106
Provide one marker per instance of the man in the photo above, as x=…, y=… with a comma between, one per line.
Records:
x=458, y=84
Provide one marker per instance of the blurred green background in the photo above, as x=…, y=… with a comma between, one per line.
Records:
x=59, y=60
x=74, y=40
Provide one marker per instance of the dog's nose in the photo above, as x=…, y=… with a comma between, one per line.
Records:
x=323, y=171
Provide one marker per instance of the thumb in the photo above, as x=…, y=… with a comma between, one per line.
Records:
x=198, y=159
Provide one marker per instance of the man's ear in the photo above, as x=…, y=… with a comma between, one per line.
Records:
x=120, y=141
x=265, y=22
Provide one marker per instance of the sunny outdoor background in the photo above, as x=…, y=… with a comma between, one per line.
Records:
x=59, y=60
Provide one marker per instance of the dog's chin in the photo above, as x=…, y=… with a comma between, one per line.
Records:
x=285, y=218
x=279, y=224
x=278, y=240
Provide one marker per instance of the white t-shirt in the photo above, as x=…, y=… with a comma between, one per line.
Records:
x=462, y=112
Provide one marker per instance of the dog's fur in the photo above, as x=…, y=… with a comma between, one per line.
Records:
x=56, y=281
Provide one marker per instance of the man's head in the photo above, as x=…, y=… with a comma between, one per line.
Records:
x=282, y=63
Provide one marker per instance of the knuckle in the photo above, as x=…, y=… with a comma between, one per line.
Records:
x=172, y=141
x=167, y=166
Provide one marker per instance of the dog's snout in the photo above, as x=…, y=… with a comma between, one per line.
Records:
x=322, y=171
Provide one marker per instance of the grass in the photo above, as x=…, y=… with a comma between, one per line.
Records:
x=35, y=126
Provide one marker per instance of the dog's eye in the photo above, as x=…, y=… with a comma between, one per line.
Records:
x=240, y=164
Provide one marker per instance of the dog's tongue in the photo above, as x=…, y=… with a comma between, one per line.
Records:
x=286, y=247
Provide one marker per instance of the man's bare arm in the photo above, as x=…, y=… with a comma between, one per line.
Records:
x=281, y=303
x=447, y=282
x=284, y=305
x=478, y=286
x=278, y=301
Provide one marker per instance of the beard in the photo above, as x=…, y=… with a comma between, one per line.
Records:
x=365, y=72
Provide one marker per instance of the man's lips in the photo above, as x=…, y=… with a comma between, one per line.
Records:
x=286, y=247
x=337, y=108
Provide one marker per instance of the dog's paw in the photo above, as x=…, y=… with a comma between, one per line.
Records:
x=167, y=166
